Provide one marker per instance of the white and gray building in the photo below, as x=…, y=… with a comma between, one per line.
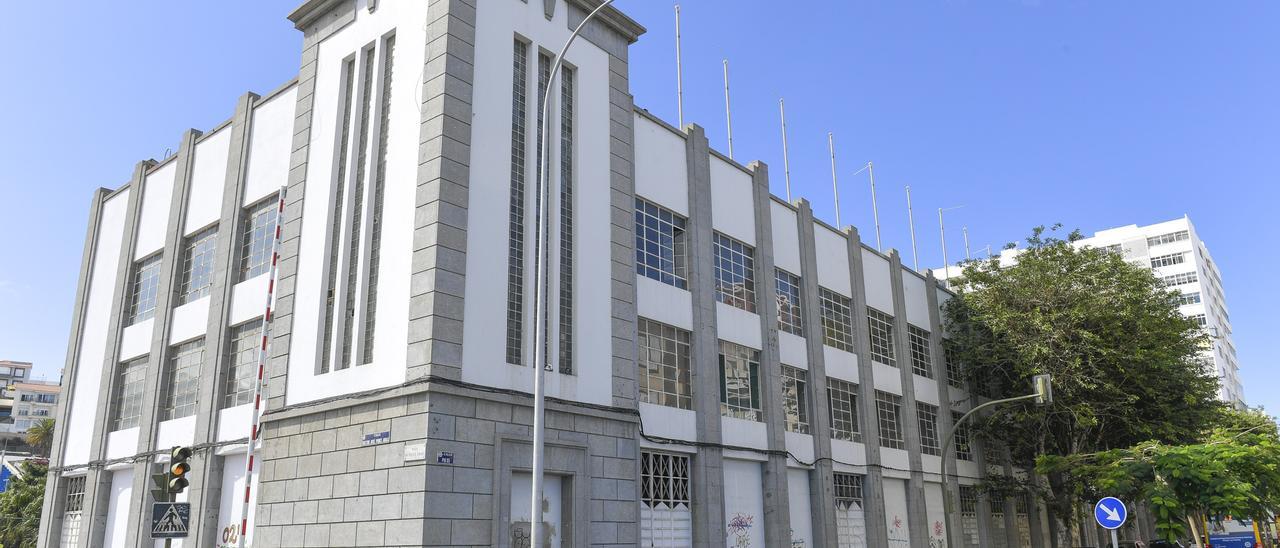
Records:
x=725, y=369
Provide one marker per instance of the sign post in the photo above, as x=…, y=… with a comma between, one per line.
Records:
x=1111, y=515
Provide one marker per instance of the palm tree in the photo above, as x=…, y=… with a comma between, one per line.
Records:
x=40, y=436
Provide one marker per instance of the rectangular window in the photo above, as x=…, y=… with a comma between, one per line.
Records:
x=664, y=364
x=962, y=447
x=666, y=516
x=739, y=381
x=256, y=235
x=851, y=530
x=789, y=318
x=969, y=516
x=881, y=330
x=836, y=314
x=1180, y=279
x=182, y=379
x=735, y=271
x=1168, y=260
x=660, y=244
x=197, y=265
x=566, y=220
x=998, y=530
x=1113, y=248
x=1021, y=511
x=889, y=410
x=375, y=216
x=73, y=509
x=1189, y=298
x=130, y=380
x=843, y=399
x=515, y=211
x=1181, y=235
x=795, y=399
x=242, y=363
x=927, y=417
x=921, y=355
x=144, y=285
x=955, y=371
x=347, y=354
x=1199, y=318
x=335, y=228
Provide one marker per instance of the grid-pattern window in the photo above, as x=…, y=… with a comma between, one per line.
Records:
x=515, y=213
x=836, y=314
x=881, y=332
x=242, y=363
x=999, y=532
x=735, y=271
x=927, y=418
x=964, y=450
x=795, y=399
x=1180, y=279
x=660, y=244
x=1169, y=238
x=1113, y=248
x=375, y=215
x=889, y=411
x=130, y=379
x=789, y=317
x=1199, y=318
x=145, y=284
x=921, y=355
x=182, y=379
x=73, y=511
x=1022, y=511
x=969, y=516
x=354, y=234
x=255, y=238
x=1189, y=298
x=566, y=220
x=843, y=399
x=851, y=531
x=955, y=371
x=666, y=517
x=739, y=381
x=664, y=364
x=335, y=234
x=197, y=265
x=1168, y=260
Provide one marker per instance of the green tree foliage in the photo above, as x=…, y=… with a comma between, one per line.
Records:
x=40, y=436
x=20, y=506
x=1124, y=361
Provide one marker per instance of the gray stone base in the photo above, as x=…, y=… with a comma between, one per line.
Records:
x=328, y=479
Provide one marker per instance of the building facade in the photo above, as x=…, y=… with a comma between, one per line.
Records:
x=33, y=401
x=724, y=369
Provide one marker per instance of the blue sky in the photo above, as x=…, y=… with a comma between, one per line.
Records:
x=1094, y=114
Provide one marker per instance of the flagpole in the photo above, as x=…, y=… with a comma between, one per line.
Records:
x=728, y=118
x=786, y=163
x=679, y=74
x=965, y=230
x=835, y=190
x=875, y=209
x=911, y=221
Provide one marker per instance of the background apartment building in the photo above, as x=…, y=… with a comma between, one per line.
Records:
x=724, y=368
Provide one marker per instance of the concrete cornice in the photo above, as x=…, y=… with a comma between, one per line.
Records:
x=614, y=18
x=310, y=10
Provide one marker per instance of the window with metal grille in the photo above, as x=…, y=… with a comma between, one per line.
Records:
x=1189, y=298
x=881, y=331
x=735, y=272
x=197, y=265
x=182, y=379
x=664, y=364
x=921, y=355
x=739, y=381
x=851, y=529
x=999, y=535
x=335, y=228
x=795, y=399
x=665, y=500
x=1180, y=279
x=836, y=312
x=961, y=438
x=565, y=333
x=515, y=210
x=927, y=418
x=969, y=515
x=242, y=363
x=375, y=216
x=843, y=398
x=144, y=285
x=955, y=372
x=354, y=233
x=256, y=234
x=1168, y=260
x=660, y=244
x=1021, y=511
x=889, y=411
x=73, y=511
x=130, y=379
x=789, y=318
x=1169, y=238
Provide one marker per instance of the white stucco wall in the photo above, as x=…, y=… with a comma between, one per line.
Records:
x=270, y=139
x=743, y=502
x=118, y=509
x=800, y=507
x=662, y=175
x=153, y=219
x=732, y=205
x=208, y=176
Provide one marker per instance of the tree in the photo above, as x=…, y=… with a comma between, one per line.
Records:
x=1125, y=363
x=20, y=506
x=40, y=436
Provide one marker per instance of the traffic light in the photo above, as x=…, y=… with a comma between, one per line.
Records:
x=178, y=468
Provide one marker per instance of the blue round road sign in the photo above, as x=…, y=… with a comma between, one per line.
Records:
x=1110, y=513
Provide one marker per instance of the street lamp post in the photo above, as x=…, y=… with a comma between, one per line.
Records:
x=1043, y=395
x=540, y=297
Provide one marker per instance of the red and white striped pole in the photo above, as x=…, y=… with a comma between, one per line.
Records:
x=264, y=348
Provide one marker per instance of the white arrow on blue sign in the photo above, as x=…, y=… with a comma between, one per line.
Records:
x=1110, y=513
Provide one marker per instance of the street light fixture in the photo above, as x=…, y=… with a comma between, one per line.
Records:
x=1042, y=396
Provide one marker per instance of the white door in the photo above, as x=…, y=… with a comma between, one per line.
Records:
x=851, y=527
x=521, y=511
x=666, y=519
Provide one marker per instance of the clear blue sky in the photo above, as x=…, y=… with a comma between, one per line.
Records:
x=1090, y=113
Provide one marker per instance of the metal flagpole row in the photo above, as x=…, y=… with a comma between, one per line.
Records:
x=264, y=348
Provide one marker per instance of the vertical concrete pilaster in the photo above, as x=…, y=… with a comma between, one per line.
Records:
x=938, y=352
x=622, y=265
x=873, y=488
x=821, y=480
x=916, y=506
x=708, y=465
